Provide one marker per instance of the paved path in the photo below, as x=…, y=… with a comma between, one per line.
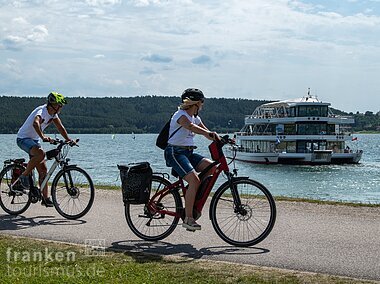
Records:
x=336, y=240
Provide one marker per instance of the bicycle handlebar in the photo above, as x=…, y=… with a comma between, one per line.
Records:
x=61, y=143
x=227, y=140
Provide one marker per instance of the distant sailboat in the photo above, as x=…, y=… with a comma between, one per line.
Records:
x=133, y=135
x=113, y=136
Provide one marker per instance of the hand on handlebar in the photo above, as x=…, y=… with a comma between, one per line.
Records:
x=213, y=136
x=72, y=142
x=227, y=140
x=46, y=139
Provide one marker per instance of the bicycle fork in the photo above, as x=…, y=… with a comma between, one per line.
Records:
x=238, y=206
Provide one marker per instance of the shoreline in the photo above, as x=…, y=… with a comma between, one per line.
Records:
x=276, y=197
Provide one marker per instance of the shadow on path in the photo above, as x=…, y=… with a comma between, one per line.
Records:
x=158, y=249
x=12, y=223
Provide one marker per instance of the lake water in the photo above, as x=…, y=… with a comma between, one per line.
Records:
x=99, y=155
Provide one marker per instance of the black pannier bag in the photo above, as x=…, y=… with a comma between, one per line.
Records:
x=136, y=180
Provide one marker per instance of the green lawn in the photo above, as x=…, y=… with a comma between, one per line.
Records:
x=24, y=260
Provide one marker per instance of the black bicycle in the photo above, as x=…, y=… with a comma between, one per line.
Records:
x=72, y=189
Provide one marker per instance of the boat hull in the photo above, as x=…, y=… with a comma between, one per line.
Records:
x=296, y=158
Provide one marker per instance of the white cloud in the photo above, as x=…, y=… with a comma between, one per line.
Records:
x=102, y=2
x=20, y=21
x=145, y=3
x=39, y=33
x=13, y=42
x=261, y=48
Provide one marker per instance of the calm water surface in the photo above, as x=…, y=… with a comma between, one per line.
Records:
x=99, y=155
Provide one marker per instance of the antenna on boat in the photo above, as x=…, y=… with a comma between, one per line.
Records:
x=309, y=96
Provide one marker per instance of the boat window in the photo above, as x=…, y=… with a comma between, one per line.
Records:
x=311, y=129
x=290, y=129
x=322, y=145
x=312, y=111
x=336, y=146
x=331, y=129
x=301, y=146
x=291, y=147
x=292, y=112
x=324, y=111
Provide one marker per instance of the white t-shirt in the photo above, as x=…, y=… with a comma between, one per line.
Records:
x=183, y=137
x=27, y=130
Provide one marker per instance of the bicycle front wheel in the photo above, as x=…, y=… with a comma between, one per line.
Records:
x=72, y=192
x=247, y=223
x=15, y=201
x=155, y=225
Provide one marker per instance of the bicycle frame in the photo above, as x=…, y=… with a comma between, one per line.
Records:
x=218, y=166
x=59, y=159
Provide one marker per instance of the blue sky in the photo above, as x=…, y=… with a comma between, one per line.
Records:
x=255, y=49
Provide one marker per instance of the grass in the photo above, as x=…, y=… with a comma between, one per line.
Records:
x=25, y=260
x=325, y=202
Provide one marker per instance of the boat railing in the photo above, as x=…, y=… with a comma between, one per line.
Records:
x=342, y=133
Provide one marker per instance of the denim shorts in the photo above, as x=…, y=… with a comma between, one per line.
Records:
x=26, y=144
x=183, y=161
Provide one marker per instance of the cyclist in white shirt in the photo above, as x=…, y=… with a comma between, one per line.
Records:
x=30, y=133
x=179, y=155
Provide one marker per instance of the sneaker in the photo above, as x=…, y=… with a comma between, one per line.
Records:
x=47, y=202
x=190, y=224
x=24, y=183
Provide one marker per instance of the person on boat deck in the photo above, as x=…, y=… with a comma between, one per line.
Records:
x=32, y=131
x=179, y=154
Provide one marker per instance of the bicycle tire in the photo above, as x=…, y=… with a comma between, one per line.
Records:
x=255, y=219
x=80, y=185
x=5, y=181
x=136, y=214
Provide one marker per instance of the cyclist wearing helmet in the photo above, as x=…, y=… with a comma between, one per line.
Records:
x=179, y=155
x=30, y=133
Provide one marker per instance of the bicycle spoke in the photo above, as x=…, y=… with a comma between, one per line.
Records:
x=248, y=223
x=160, y=224
x=73, y=193
x=13, y=203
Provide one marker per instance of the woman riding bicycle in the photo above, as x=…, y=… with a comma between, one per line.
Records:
x=28, y=139
x=179, y=154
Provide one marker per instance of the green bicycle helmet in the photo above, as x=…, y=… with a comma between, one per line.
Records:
x=56, y=98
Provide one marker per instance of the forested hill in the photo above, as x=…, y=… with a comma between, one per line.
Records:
x=145, y=114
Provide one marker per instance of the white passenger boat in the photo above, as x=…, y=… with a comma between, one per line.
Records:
x=299, y=131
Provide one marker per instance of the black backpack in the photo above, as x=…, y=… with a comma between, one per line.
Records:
x=163, y=136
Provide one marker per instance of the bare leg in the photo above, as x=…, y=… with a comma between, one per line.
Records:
x=37, y=157
x=204, y=164
x=194, y=182
x=42, y=171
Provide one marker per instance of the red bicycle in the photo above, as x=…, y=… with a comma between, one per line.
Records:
x=242, y=210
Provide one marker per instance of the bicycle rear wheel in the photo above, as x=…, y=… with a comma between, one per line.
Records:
x=15, y=201
x=154, y=226
x=73, y=192
x=249, y=223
